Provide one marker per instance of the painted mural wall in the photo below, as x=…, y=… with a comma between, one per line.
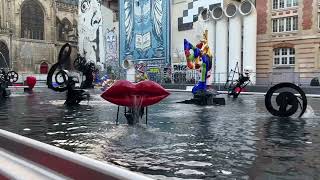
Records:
x=110, y=39
x=144, y=31
x=111, y=47
x=90, y=31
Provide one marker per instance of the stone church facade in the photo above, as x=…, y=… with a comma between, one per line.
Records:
x=33, y=31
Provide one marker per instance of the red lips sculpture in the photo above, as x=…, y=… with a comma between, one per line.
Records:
x=144, y=93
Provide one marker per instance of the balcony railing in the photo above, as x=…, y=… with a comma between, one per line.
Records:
x=4, y=30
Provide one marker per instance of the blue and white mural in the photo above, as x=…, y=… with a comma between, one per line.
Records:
x=144, y=31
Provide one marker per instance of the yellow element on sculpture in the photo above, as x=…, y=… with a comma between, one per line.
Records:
x=205, y=47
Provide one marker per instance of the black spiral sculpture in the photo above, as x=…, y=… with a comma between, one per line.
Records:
x=286, y=102
x=64, y=81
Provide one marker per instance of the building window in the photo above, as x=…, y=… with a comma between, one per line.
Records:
x=32, y=20
x=284, y=56
x=282, y=4
x=285, y=24
x=64, y=29
x=319, y=20
x=275, y=4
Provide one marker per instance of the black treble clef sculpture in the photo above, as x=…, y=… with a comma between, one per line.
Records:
x=64, y=81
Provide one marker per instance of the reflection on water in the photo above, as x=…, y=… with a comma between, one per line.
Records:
x=239, y=140
x=289, y=149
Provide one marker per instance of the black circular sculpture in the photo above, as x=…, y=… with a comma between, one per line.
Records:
x=286, y=102
x=6, y=79
x=12, y=76
x=64, y=81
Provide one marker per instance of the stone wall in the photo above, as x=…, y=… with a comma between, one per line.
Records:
x=28, y=54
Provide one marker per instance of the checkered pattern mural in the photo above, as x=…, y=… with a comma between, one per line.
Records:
x=194, y=8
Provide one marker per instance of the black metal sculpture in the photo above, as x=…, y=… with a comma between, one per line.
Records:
x=64, y=81
x=133, y=115
x=236, y=87
x=289, y=98
x=205, y=98
x=87, y=68
x=6, y=79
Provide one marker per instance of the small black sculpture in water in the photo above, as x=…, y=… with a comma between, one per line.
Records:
x=64, y=81
x=205, y=97
x=236, y=87
x=87, y=68
x=6, y=79
x=287, y=101
x=134, y=114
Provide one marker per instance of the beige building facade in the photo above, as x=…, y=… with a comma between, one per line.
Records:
x=32, y=32
x=288, y=47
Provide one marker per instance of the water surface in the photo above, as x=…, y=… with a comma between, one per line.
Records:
x=237, y=141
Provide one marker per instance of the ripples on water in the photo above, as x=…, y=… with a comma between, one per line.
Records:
x=239, y=140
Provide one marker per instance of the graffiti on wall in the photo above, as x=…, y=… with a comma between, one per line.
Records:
x=111, y=45
x=90, y=31
x=111, y=52
x=182, y=74
x=167, y=75
x=154, y=73
x=144, y=30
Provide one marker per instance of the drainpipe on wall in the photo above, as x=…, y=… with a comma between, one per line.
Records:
x=10, y=51
x=8, y=25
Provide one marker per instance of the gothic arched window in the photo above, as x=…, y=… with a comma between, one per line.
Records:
x=32, y=20
x=4, y=55
x=64, y=28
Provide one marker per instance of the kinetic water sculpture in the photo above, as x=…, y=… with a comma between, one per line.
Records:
x=64, y=81
x=87, y=68
x=30, y=82
x=236, y=87
x=199, y=57
x=6, y=79
x=135, y=96
x=288, y=99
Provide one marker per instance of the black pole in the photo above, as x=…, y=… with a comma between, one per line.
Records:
x=146, y=115
x=117, y=121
